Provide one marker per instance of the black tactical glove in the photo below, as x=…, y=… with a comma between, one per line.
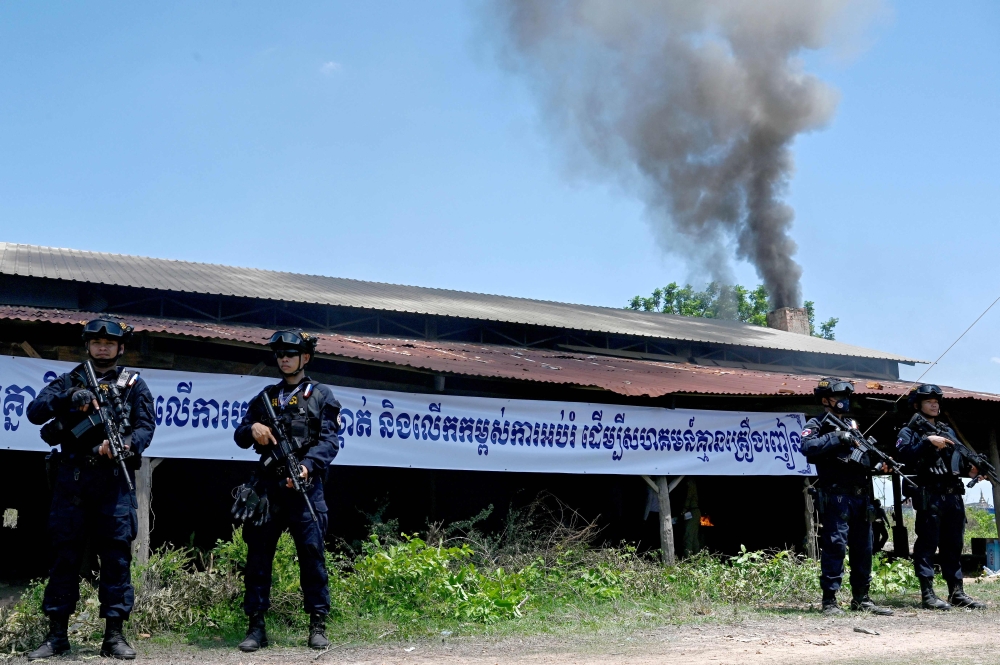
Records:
x=844, y=436
x=250, y=507
x=246, y=502
x=81, y=398
x=263, y=515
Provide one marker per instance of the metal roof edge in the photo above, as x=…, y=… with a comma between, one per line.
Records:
x=714, y=328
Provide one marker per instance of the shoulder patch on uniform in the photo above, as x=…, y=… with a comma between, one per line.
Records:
x=806, y=432
x=308, y=391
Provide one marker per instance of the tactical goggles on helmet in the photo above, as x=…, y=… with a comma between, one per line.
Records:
x=286, y=338
x=107, y=329
x=924, y=392
x=829, y=387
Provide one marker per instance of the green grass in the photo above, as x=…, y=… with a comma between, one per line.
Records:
x=538, y=575
x=980, y=524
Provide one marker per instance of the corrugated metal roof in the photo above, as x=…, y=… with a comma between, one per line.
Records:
x=620, y=375
x=205, y=278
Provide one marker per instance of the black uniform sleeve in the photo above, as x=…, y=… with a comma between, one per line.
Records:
x=53, y=400
x=911, y=445
x=142, y=416
x=815, y=445
x=319, y=456
x=243, y=434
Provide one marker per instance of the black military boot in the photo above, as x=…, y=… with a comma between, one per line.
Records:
x=256, y=633
x=56, y=641
x=863, y=603
x=830, y=606
x=317, y=631
x=958, y=598
x=114, y=644
x=928, y=600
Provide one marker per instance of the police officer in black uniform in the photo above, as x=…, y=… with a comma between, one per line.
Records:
x=845, y=505
x=311, y=414
x=91, y=499
x=926, y=445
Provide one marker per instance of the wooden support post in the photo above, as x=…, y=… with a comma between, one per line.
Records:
x=144, y=495
x=30, y=350
x=666, y=521
x=995, y=461
x=812, y=533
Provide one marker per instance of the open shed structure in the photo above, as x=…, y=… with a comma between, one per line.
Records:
x=205, y=318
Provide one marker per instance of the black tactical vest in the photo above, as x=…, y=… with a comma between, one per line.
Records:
x=59, y=431
x=302, y=415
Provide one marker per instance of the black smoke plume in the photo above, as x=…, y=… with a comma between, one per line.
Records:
x=694, y=102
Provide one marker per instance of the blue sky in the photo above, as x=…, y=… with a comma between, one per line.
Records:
x=383, y=142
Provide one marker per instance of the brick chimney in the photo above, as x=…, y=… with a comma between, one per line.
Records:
x=789, y=319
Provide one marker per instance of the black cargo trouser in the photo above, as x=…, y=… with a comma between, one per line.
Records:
x=91, y=500
x=940, y=526
x=292, y=514
x=845, y=519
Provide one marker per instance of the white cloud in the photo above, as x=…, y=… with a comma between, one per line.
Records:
x=330, y=68
x=995, y=359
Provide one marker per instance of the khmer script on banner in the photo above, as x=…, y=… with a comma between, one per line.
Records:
x=196, y=414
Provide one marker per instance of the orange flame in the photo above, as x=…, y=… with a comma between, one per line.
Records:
x=706, y=520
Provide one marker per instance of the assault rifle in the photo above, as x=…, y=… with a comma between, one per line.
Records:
x=863, y=445
x=110, y=414
x=981, y=462
x=285, y=454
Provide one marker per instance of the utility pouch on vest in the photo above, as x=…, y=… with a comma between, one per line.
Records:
x=820, y=498
x=52, y=468
x=52, y=432
x=926, y=500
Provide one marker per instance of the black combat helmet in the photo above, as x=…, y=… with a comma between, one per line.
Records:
x=830, y=387
x=107, y=329
x=296, y=340
x=836, y=388
x=292, y=342
x=924, y=391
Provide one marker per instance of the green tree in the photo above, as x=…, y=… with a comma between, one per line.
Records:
x=720, y=301
x=825, y=328
x=752, y=305
x=717, y=301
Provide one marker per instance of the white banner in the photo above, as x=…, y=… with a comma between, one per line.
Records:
x=196, y=414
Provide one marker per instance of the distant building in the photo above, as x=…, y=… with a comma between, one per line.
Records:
x=982, y=504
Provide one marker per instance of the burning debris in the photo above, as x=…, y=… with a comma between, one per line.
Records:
x=694, y=104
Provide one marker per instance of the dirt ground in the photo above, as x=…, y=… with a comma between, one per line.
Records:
x=959, y=636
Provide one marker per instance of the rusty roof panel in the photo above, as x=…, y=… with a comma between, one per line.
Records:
x=624, y=376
